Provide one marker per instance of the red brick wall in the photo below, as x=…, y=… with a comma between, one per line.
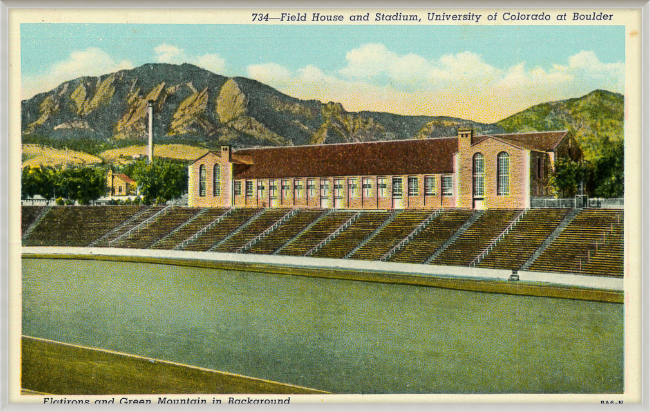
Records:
x=490, y=148
x=209, y=200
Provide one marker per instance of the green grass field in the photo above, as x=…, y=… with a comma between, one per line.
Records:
x=335, y=335
x=54, y=368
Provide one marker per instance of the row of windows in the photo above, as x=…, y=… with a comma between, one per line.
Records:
x=430, y=186
x=216, y=181
x=503, y=174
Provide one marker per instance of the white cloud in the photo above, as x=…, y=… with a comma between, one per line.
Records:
x=269, y=72
x=212, y=62
x=168, y=53
x=460, y=85
x=89, y=62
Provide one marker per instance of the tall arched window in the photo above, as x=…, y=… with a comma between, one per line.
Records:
x=216, y=180
x=203, y=181
x=503, y=174
x=478, y=175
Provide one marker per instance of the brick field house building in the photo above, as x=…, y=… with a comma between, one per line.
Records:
x=464, y=171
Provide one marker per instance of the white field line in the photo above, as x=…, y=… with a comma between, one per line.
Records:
x=153, y=360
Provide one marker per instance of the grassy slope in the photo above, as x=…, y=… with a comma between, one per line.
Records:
x=61, y=369
x=170, y=151
x=35, y=155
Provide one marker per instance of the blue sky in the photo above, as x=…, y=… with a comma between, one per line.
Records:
x=479, y=72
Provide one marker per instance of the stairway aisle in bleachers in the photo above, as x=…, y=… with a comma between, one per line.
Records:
x=28, y=215
x=586, y=236
x=222, y=229
x=391, y=235
x=189, y=229
x=142, y=238
x=148, y=212
x=316, y=234
x=285, y=232
x=441, y=228
x=77, y=225
x=345, y=242
x=524, y=239
x=259, y=225
x=478, y=236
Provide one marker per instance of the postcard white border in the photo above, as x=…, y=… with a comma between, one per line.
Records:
x=634, y=164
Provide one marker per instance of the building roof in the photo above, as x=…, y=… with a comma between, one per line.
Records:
x=539, y=141
x=125, y=178
x=350, y=159
x=395, y=157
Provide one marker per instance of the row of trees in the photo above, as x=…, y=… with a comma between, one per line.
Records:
x=82, y=184
x=159, y=181
x=603, y=177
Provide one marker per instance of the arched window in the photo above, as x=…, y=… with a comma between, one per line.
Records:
x=503, y=174
x=478, y=175
x=203, y=181
x=216, y=180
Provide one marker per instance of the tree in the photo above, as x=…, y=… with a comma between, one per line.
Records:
x=38, y=181
x=605, y=177
x=83, y=184
x=568, y=174
x=160, y=181
x=609, y=171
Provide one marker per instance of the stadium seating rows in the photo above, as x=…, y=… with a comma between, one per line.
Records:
x=28, y=216
x=524, y=239
x=143, y=237
x=218, y=232
x=344, y=243
x=316, y=234
x=585, y=237
x=391, y=235
x=77, y=225
x=189, y=229
x=592, y=243
x=422, y=246
x=478, y=236
x=607, y=260
x=132, y=222
x=285, y=232
x=259, y=225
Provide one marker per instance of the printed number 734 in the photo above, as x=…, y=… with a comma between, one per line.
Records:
x=260, y=17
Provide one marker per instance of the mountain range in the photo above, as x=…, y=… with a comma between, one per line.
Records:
x=197, y=107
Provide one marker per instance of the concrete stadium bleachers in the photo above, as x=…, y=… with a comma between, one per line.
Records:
x=259, y=225
x=222, y=229
x=585, y=237
x=391, y=235
x=479, y=235
x=316, y=234
x=592, y=243
x=422, y=246
x=524, y=239
x=285, y=232
x=133, y=221
x=28, y=215
x=607, y=260
x=142, y=238
x=77, y=225
x=188, y=230
x=345, y=242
